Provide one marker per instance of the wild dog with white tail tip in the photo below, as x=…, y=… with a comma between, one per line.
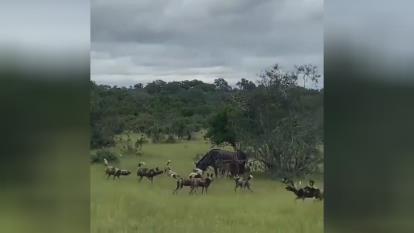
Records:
x=109, y=170
x=243, y=183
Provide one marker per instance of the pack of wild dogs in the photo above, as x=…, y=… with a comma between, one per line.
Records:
x=215, y=163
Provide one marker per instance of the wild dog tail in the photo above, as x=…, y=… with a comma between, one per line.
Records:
x=106, y=162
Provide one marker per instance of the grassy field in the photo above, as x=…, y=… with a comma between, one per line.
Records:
x=131, y=206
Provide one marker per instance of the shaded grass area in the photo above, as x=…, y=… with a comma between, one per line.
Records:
x=131, y=206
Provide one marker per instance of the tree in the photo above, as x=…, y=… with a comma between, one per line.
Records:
x=221, y=84
x=138, y=86
x=287, y=138
x=221, y=130
x=155, y=87
x=245, y=84
x=308, y=72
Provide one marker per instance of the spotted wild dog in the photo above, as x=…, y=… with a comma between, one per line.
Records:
x=172, y=174
x=181, y=182
x=121, y=172
x=243, y=183
x=109, y=170
x=196, y=173
x=148, y=173
x=204, y=183
x=307, y=192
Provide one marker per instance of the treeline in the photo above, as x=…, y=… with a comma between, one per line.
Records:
x=159, y=110
x=276, y=121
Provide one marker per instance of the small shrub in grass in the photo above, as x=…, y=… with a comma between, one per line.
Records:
x=104, y=154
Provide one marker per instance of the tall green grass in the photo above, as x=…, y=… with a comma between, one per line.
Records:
x=131, y=206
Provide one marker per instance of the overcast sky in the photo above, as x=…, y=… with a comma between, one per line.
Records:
x=144, y=40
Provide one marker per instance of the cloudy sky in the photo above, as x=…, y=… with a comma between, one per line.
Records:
x=143, y=40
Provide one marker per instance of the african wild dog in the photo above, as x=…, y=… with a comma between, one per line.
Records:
x=288, y=181
x=196, y=173
x=307, y=192
x=194, y=183
x=149, y=173
x=243, y=183
x=114, y=171
x=121, y=172
x=172, y=173
x=181, y=182
x=109, y=170
x=204, y=183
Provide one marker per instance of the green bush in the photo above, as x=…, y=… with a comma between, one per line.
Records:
x=104, y=154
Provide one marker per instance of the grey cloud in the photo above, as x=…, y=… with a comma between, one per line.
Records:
x=243, y=37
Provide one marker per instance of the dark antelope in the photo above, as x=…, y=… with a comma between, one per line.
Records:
x=216, y=158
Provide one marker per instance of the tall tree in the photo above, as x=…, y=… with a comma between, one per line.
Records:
x=308, y=72
x=245, y=84
x=221, y=129
x=221, y=84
